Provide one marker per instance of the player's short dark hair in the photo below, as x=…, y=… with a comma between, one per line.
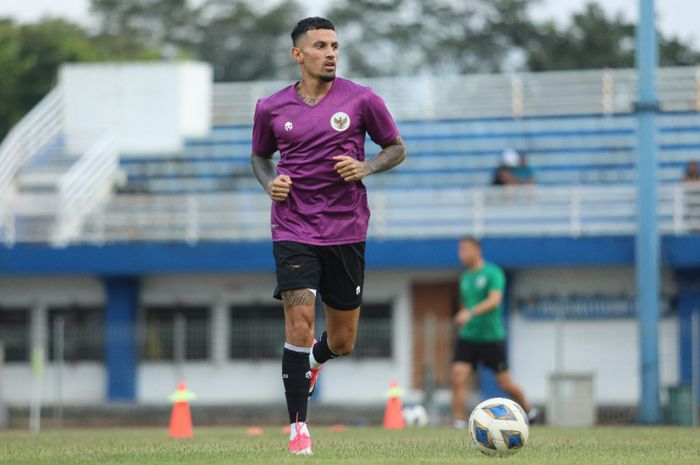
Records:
x=474, y=240
x=310, y=24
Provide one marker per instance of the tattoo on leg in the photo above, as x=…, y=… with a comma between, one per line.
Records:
x=298, y=297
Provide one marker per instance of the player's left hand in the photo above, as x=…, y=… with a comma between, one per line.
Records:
x=351, y=169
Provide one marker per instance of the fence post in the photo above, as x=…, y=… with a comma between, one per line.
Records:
x=380, y=213
x=517, y=96
x=59, y=334
x=697, y=89
x=4, y=415
x=9, y=222
x=608, y=92
x=678, y=204
x=192, y=220
x=575, y=212
x=479, y=222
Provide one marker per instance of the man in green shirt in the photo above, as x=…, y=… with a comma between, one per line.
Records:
x=481, y=336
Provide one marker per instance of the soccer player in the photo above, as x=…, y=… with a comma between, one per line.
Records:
x=319, y=205
x=481, y=336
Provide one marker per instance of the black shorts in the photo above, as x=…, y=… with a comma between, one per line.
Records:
x=337, y=272
x=491, y=354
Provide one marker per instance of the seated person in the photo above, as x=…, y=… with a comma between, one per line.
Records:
x=523, y=172
x=692, y=172
x=503, y=176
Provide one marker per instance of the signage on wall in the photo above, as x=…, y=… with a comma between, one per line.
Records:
x=582, y=307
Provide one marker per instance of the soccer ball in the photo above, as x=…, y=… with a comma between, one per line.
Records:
x=498, y=426
x=415, y=415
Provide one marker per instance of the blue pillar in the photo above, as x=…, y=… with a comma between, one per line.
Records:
x=647, y=238
x=121, y=344
x=688, y=303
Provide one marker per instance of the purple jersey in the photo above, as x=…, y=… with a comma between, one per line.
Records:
x=321, y=208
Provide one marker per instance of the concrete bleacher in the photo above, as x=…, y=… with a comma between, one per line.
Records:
x=568, y=149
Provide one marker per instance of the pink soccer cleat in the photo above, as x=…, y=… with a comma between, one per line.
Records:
x=300, y=444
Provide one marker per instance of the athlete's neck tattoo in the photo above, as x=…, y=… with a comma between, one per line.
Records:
x=307, y=100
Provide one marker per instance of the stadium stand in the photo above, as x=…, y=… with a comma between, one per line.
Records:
x=575, y=133
x=143, y=251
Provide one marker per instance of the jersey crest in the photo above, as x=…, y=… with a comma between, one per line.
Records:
x=340, y=121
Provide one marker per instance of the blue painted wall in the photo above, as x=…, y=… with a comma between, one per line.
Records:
x=227, y=257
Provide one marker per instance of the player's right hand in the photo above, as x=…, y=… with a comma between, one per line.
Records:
x=278, y=188
x=462, y=317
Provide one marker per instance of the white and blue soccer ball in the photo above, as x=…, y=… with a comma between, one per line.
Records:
x=499, y=426
x=415, y=415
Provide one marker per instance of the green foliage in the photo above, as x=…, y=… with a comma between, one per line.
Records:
x=29, y=58
x=243, y=42
x=405, y=37
x=146, y=28
x=596, y=40
x=247, y=40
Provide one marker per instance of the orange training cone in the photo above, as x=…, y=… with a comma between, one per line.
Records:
x=180, y=418
x=393, y=415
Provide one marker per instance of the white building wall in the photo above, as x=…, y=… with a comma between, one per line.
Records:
x=607, y=348
x=150, y=106
x=218, y=380
x=344, y=380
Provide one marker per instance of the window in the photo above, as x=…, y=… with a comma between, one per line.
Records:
x=14, y=333
x=173, y=333
x=374, y=337
x=257, y=332
x=83, y=333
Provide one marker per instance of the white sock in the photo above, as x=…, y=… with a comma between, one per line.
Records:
x=312, y=361
x=293, y=432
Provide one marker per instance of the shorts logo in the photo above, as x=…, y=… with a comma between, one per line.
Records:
x=340, y=121
x=308, y=375
x=357, y=290
x=288, y=126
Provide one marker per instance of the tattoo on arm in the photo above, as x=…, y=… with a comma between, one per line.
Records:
x=390, y=156
x=263, y=168
x=298, y=298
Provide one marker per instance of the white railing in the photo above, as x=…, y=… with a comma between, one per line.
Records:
x=41, y=126
x=417, y=213
x=85, y=186
x=484, y=95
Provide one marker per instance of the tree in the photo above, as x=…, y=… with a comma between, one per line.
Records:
x=595, y=40
x=406, y=37
x=30, y=56
x=243, y=43
x=146, y=28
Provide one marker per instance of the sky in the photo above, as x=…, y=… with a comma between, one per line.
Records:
x=676, y=17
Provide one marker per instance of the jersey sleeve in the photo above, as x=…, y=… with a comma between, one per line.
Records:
x=497, y=280
x=378, y=122
x=264, y=139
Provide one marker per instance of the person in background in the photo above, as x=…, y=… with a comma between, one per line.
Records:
x=503, y=176
x=481, y=335
x=513, y=170
x=523, y=173
x=692, y=172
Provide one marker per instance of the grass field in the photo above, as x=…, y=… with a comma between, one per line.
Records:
x=354, y=446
